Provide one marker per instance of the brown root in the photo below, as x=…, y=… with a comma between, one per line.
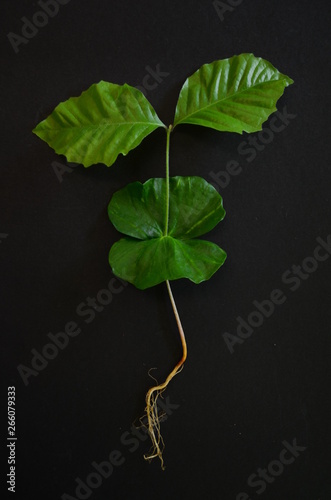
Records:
x=152, y=413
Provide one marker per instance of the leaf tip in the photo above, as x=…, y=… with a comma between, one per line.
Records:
x=36, y=129
x=289, y=81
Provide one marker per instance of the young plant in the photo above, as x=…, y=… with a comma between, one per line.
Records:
x=163, y=218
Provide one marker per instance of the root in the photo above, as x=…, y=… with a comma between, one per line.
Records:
x=152, y=413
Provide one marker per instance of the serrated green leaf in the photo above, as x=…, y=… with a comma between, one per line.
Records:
x=104, y=121
x=231, y=95
x=151, y=255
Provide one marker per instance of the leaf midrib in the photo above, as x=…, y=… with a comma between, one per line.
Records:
x=200, y=221
x=85, y=127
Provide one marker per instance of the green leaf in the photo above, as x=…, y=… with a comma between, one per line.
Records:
x=150, y=256
x=101, y=123
x=139, y=210
x=231, y=95
x=146, y=263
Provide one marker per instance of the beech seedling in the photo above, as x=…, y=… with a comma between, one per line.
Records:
x=163, y=219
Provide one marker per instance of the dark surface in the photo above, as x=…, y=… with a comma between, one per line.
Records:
x=235, y=410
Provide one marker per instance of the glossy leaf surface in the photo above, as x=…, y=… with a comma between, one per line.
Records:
x=150, y=256
x=104, y=121
x=231, y=95
x=146, y=263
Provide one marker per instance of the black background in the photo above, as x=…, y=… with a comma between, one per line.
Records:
x=234, y=410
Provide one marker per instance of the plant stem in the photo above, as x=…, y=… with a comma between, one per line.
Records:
x=154, y=392
x=152, y=395
x=166, y=222
x=179, y=324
